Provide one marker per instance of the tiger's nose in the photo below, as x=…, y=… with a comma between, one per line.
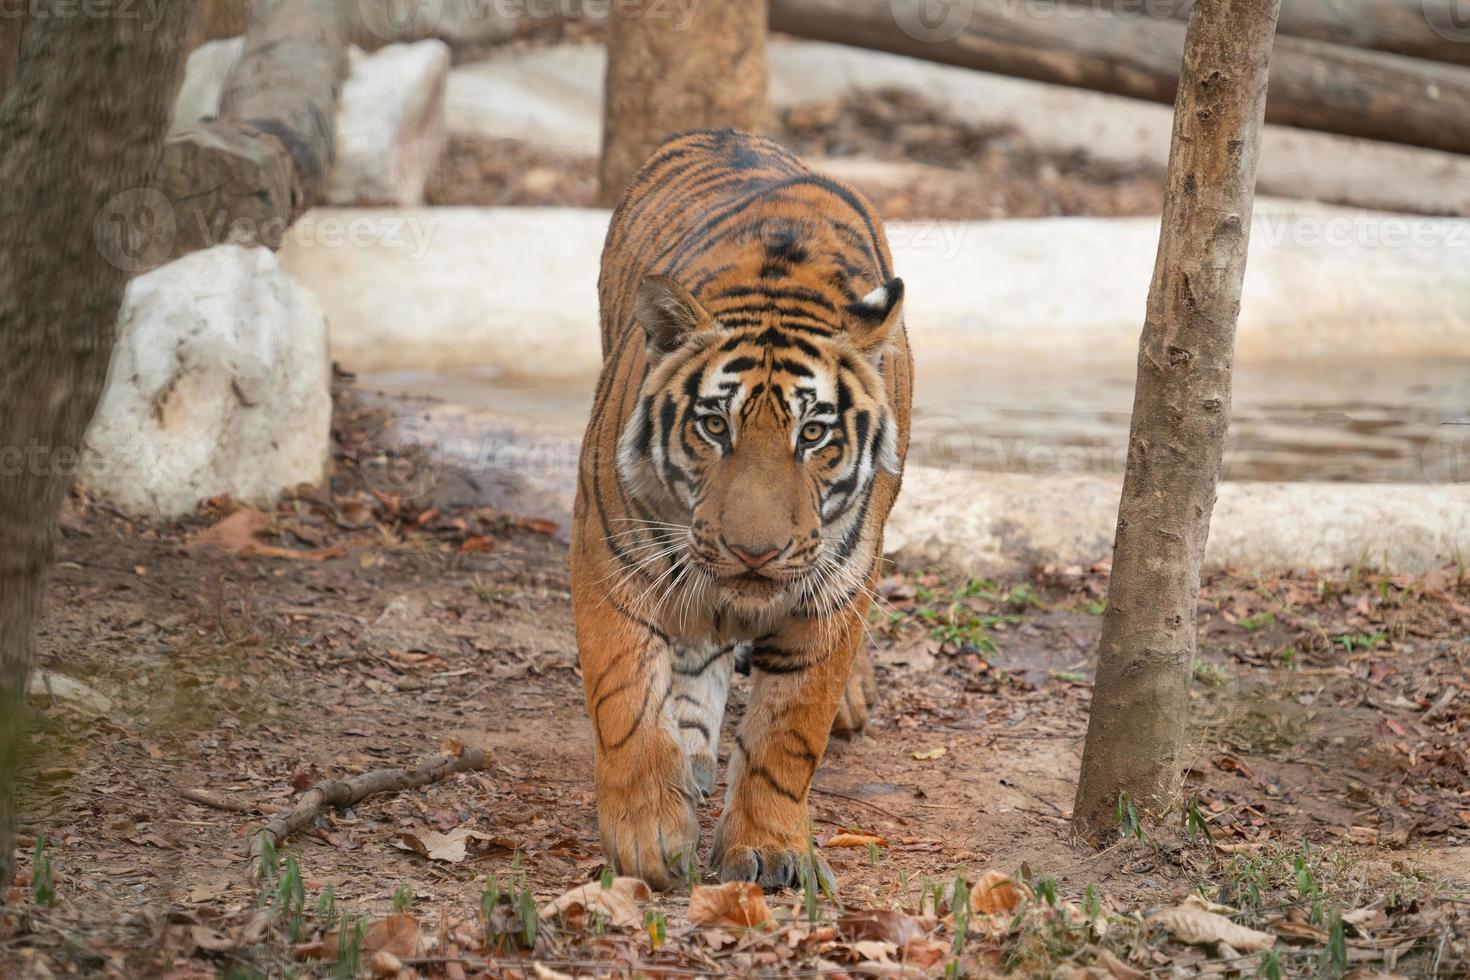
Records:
x=754, y=557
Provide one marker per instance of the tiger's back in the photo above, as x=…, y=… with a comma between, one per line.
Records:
x=747, y=303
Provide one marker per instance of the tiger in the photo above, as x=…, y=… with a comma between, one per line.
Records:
x=746, y=443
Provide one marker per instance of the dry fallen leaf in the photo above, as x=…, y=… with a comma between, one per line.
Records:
x=933, y=753
x=237, y=533
x=619, y=902
x=855, y=840
x=735, y=903
x=452, y=847
x=1116, y=968
x=997, y=894
x=397, y=934
x=1200, y=927
x=882, y=924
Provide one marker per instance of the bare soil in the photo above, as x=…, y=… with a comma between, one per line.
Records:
x=943, y=167
x=362, y=630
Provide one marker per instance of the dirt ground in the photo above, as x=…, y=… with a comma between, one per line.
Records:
x=351, y=630
x=950, y=170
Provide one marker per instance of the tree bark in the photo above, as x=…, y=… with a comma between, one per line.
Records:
x=12, y=26
x=1429, y=29
x=1181, y=411
x=1314, y=85
x=80, y=131
x=671, y=69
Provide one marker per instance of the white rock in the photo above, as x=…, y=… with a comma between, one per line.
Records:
x=390, y=124
x=59, y=687
x=220, y=382
x=204, y=78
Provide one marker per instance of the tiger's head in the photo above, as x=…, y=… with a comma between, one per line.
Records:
x=756, y=442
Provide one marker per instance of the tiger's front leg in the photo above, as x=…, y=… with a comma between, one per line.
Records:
x=646, y=791
x=801, y=675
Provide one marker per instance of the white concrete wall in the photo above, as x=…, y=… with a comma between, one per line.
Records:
x=515, y=288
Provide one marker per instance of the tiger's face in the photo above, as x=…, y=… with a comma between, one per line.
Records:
x=757, y=445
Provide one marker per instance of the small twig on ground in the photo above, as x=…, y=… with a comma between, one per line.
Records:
x=339, y=793
x=853, y=799
x=216, y=802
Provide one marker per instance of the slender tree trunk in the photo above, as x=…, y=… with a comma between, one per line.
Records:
x=670, y=69
x=80, y=134
x=1181, y=410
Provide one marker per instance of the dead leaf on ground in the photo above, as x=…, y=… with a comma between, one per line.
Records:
x=1116, y=968
x=855, y=839
x=238, y=534
x=396, y=934
x=452, y=847
x=1191, y=924
x=997, y=894
x=735, y=903
x=619, y=902
x=883, y=924
x=929, y=754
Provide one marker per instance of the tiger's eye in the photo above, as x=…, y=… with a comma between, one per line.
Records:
x=715, y=425
x=813, y=432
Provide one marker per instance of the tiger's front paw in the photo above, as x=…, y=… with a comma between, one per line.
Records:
x=857, y=699
x=772, y=866
x=771, y=863
x=648, y=820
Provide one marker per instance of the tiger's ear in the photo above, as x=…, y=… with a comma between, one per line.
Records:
x=669, y=313
x=872, y=319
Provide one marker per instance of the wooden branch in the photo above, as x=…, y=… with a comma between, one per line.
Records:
x=1314, y=85
x=339, y=793
x=245, y=176
x=287, y=81
x=1429, y=29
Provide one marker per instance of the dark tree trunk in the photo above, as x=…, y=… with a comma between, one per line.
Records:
x=12, y=26
x=665, y=75
x=1181, y=410
x=1314, y=85
x=80, y=134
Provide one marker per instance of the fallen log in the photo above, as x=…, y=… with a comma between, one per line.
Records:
x=340, y=793
x=1429, y=29
x=1314, y=85
x=247, y=175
